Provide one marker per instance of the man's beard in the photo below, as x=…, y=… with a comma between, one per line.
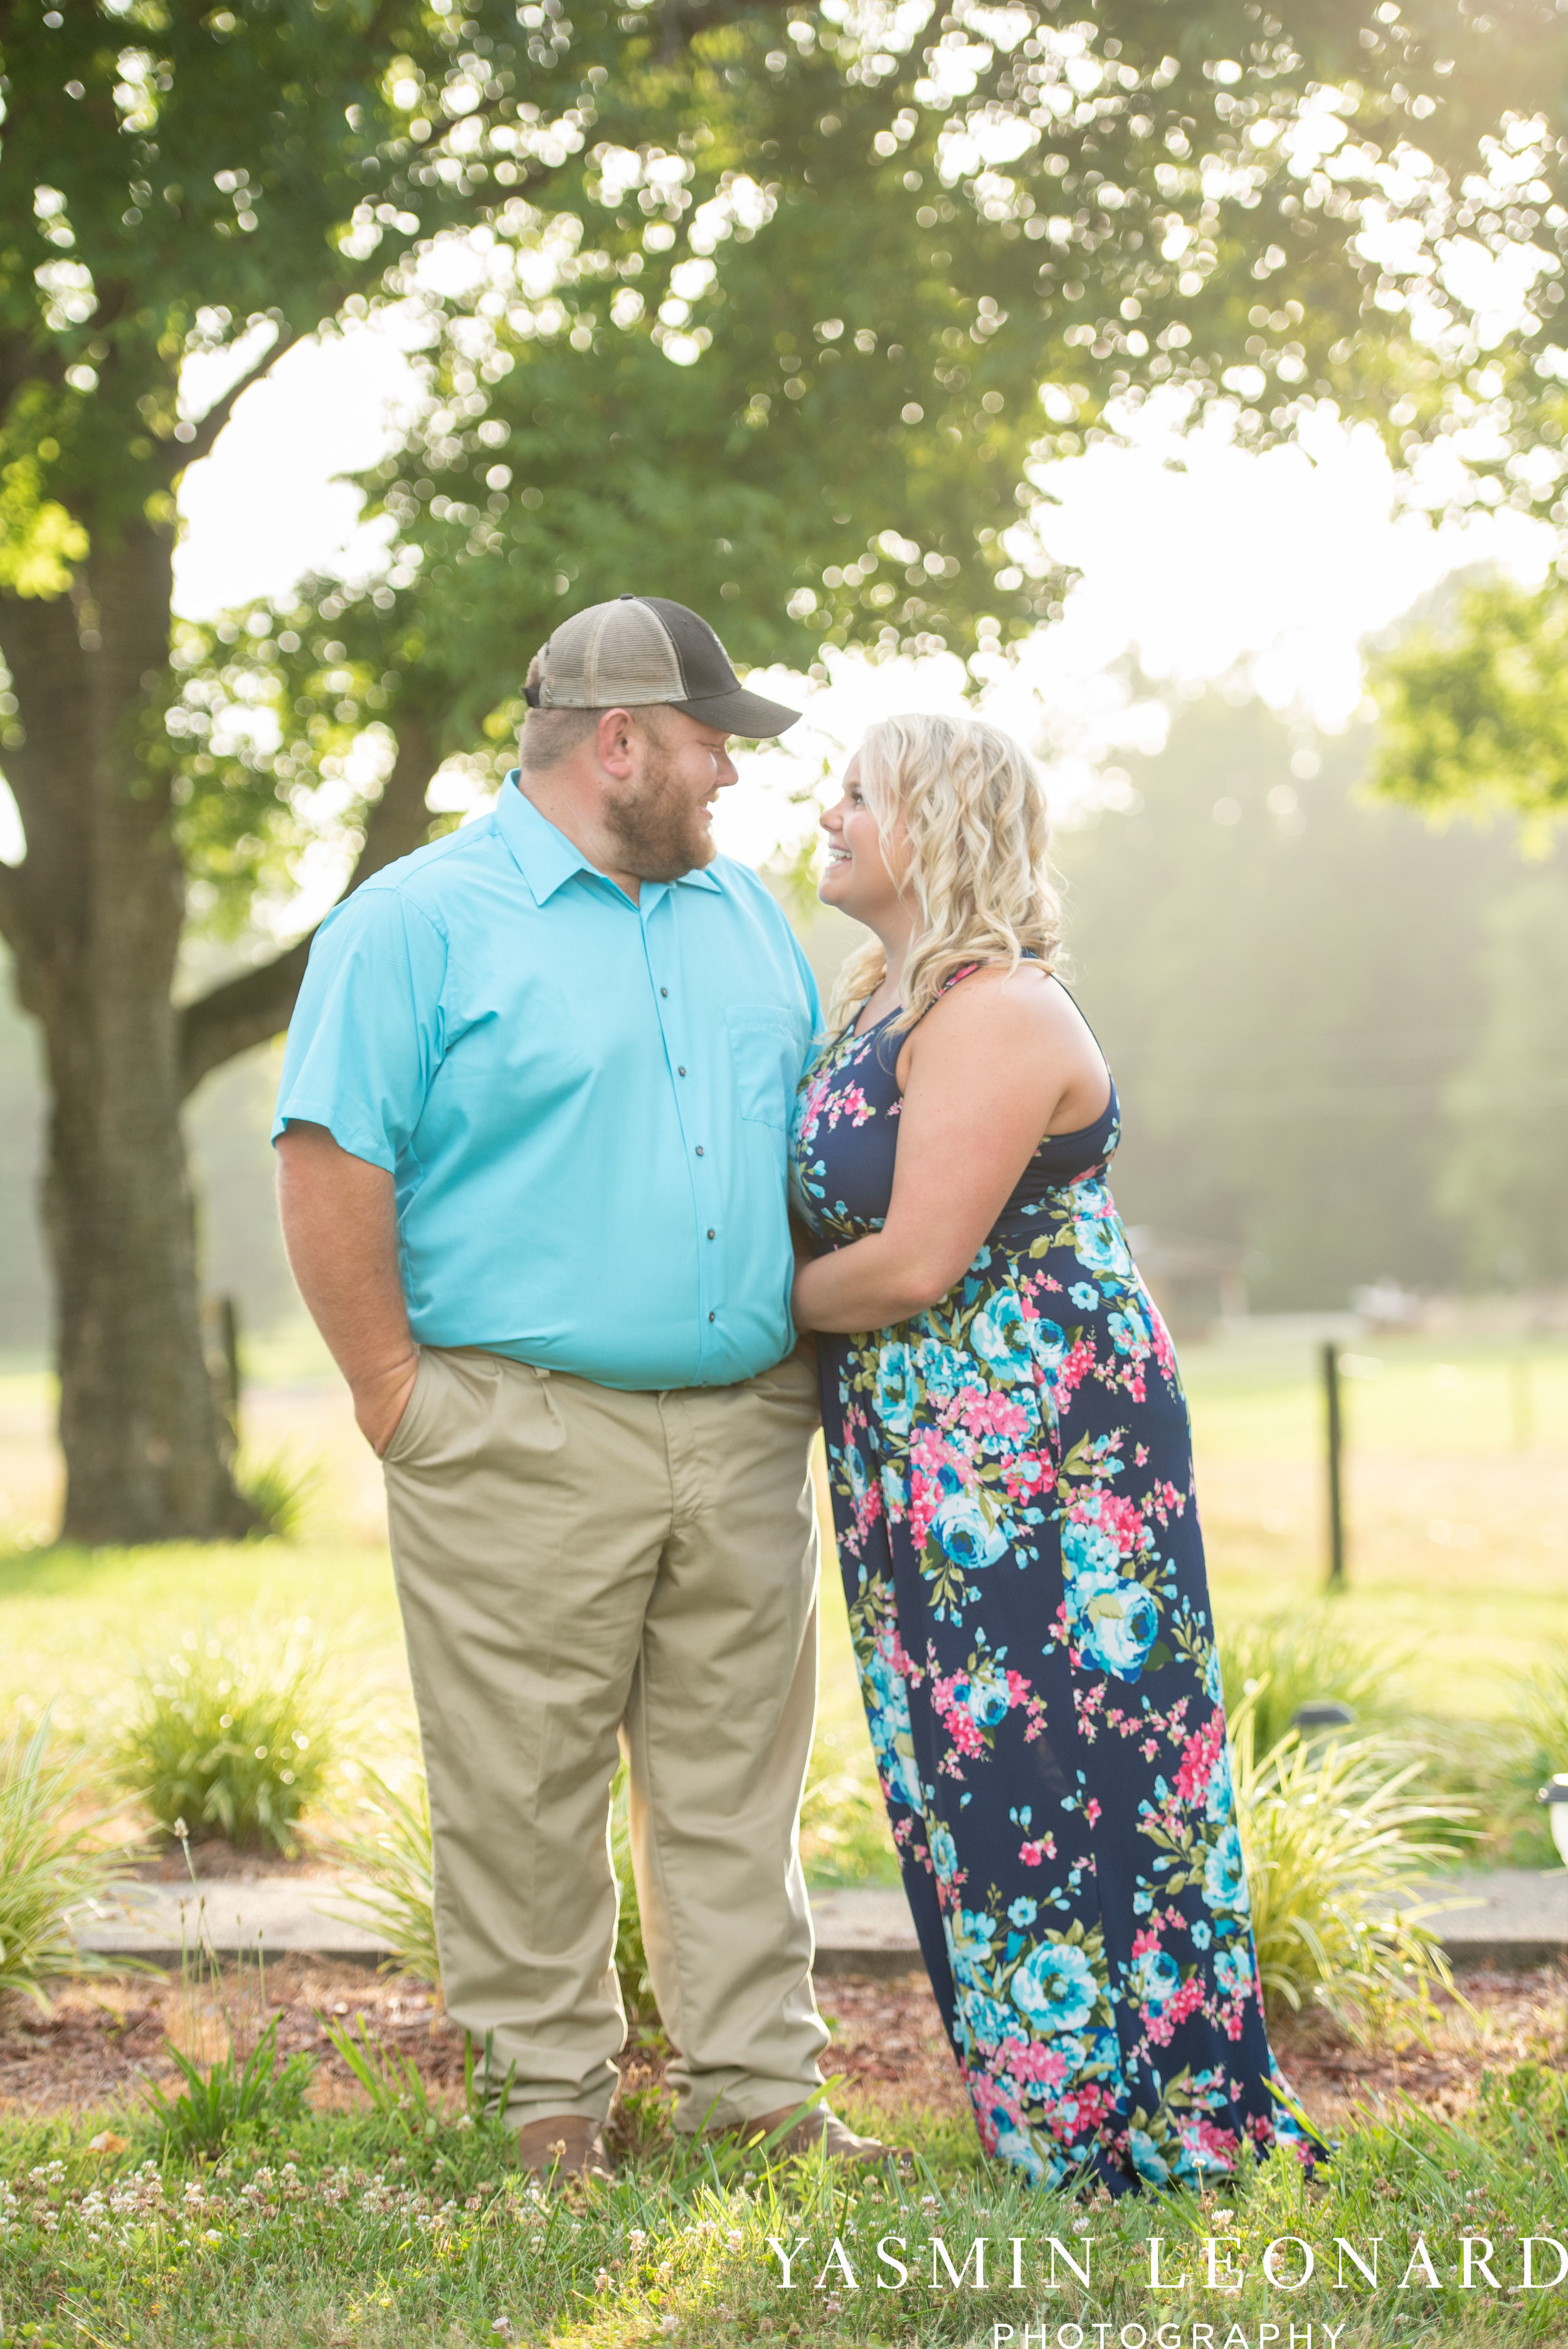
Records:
x=658, y=833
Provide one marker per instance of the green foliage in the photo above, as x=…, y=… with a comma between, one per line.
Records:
x=282, y=1489
x=1304, y=1116
x=220, y=2099
x=232, y=1735
x=1335, y=1866
x=631, y=1956
x=392, y=1857
x=1285, y=1660
x=758, y=303
x=1475, y=714
x=1507, y=1103
x=391, y=2081
x=52, y=1863
x=844, y=1837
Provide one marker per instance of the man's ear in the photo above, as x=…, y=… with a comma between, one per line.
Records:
x=613, y=742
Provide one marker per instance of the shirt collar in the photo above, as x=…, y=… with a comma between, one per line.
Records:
x=544, y=857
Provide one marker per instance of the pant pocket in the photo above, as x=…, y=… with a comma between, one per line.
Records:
x=449, y=1412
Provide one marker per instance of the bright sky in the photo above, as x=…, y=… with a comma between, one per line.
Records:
x=1206, y=561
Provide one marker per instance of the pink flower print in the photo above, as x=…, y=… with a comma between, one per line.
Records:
x=1065, y=1381
x=1211, y=2148
x=1039, y=2064
x=995, y=1414
x=1140, y=1456
x=1118, y=1517
x=1043, y=1848
x=1199, y=1756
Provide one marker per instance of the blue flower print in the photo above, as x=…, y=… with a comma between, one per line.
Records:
x=1048, y=1342
x=1018, y=2152
x=942, y=1369
x=1213, y=1685
x=1055, y=1988
x=1088, y=1549
x=1023, y=1911
x=1098, y=1239
x=895, y=1389
x=1000, y=1336
x=1156, y=1979
x=984, y=1694
x=1224, y=1875
x=988, y=2021
x=943, y=1855
x=970, y=1936
x=960, y=1526
x=1202, y=1933
x=1084, y=1295
x=1233, y=1970
x=1112, y=1620
x=887, y=1716
x=1147, y=2159
x=1128, y=1328
x=1221, y=1799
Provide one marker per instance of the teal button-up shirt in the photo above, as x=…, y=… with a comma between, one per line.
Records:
x=583, y=1102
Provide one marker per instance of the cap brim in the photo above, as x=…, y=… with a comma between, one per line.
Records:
x=747, y=714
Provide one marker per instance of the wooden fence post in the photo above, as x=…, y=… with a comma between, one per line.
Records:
x=1334, y=1430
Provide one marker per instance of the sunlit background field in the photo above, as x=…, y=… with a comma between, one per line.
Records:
x=1456, y=1514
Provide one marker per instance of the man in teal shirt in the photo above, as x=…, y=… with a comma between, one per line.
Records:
x=531, y=1131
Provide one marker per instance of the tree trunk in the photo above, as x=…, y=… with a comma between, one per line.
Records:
x=96, y=929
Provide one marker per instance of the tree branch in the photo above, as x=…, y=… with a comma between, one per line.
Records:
x=181, y=454
x=252, y=1007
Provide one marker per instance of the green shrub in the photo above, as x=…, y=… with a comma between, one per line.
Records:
x=1301, y=1656
x=393, y=1857
x=281, y=1487
x=52, y=1861
x=220, y=2098
x=631, y=1957
x=844, y=1834
x=234, y=1736
x=1334, y=1869
x=391, y=1852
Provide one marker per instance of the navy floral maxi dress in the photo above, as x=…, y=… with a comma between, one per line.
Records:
x=1012, y=1483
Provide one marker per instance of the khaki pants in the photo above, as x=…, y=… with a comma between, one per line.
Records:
x=577, y=1566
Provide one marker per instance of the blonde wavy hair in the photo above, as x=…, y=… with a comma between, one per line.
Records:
x=974, y=815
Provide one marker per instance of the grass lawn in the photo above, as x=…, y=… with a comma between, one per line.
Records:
x=351, y=2231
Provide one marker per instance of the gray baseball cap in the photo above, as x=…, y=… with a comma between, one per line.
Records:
x=642, y=649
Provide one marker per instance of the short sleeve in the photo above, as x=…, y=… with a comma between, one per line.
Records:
x=367, y=1036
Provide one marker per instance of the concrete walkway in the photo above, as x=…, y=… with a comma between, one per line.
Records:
x=1514, y=1920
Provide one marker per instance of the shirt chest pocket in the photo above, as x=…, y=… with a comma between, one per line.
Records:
x=765, y=1053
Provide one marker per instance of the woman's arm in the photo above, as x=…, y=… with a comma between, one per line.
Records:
x=991, y=1069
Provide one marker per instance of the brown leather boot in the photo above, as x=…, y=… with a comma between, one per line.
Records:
x=817, y=2127
x=563, y=2145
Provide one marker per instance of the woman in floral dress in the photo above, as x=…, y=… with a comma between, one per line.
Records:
x=1012, y=1478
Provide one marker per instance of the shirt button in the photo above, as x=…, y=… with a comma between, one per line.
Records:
x=699, y=1150
x=711, y=1233
x=664, y=991
x=713, y=1317
x=680, y=1073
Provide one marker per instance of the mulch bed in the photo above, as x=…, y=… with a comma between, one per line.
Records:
x=105, y=2039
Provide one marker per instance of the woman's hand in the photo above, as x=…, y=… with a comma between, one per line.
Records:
x=992, y=1067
